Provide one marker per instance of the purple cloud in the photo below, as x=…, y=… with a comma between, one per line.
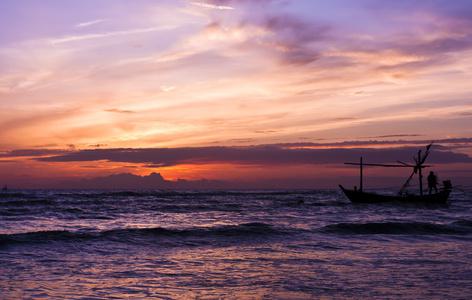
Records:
x=264, y=155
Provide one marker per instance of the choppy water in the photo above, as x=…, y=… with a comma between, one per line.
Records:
x=294, y=244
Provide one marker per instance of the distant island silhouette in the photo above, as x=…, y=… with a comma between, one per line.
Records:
x=155, y=180
x=151, y=181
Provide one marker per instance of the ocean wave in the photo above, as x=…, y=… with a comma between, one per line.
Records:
x=162, y=200
x=134, y=235
x=26, y=202
x=418, y=228
x=464, y=224
x=12, y=195
x=186, y=193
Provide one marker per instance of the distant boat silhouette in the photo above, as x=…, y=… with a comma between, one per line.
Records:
x=5, y=188
x=359, y=196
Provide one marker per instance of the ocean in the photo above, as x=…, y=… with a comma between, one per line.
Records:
x=231, y=244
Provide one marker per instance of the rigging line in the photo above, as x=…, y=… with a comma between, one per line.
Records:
x=467, y=186
x=386, y=165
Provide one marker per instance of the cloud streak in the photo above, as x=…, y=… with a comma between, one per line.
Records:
x=75, y=38
x=90, y=23
x=291, y=154
x=211, y=6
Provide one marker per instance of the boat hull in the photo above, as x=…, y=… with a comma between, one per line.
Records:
x=363, y=197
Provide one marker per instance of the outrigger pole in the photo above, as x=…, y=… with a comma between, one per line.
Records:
x=361, y=164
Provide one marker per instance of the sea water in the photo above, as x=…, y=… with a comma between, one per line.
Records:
x=253, y=244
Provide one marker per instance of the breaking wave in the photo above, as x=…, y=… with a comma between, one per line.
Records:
x=132, y=235
x=418, y=228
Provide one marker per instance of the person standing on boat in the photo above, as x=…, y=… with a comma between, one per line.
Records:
x=432, y=182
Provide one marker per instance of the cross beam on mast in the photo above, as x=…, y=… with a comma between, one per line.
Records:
x=384, y=165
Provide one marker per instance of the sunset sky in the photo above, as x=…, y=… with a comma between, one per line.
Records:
x=259, y=91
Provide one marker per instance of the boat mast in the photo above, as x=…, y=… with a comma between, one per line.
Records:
x=361, y=176
x=420, y=175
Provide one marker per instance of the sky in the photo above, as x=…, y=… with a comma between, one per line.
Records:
x=275, y=93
